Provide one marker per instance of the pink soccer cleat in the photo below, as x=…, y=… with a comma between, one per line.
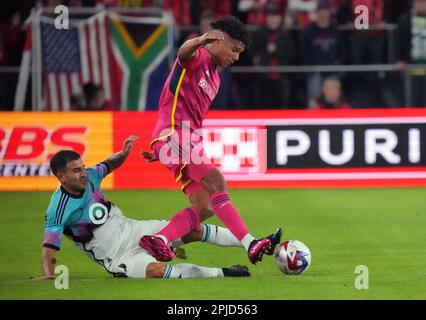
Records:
x=257, y=249
x=157, y=248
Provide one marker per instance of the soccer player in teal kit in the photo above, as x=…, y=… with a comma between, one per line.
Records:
x=79, y=209
x=187, y=94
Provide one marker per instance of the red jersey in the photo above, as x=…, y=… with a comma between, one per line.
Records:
x=187, y=94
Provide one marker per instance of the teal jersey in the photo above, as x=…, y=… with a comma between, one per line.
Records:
x=77, y=216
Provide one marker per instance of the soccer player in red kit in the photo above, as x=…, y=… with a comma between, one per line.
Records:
x=187, y=95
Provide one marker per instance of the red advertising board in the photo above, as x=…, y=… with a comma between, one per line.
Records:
x=254, y=149
x=28, y=140
x=136, y=173
x=301, y=149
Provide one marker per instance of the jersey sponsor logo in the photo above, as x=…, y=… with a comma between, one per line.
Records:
x=207, y=88
x=98, y=213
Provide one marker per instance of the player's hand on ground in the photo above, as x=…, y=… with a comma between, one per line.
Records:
x=51, y=277
x=212, y=36
x=149, y=156
x=128, y=144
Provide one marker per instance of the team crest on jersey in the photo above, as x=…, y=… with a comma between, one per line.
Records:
x=98, y=213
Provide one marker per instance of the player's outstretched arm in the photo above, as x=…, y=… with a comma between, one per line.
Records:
x=189, y=48
x=117, y=159
x=48, y=262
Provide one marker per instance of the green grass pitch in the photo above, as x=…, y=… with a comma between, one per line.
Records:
x=383, y=229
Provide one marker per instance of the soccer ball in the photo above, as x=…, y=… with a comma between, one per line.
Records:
x=293, y=257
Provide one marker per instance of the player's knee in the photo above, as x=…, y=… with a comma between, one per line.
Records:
x=155, y=270
x=214, y=181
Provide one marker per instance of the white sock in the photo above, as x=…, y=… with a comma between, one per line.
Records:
x=248, y=238
x=188, y=270
x=219, y=236
x=162, y=238
x=177, y=243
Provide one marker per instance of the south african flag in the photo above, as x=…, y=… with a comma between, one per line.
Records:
x=141, y=47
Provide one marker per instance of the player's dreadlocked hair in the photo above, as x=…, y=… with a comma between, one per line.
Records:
x=60, y=159
x=234, y=28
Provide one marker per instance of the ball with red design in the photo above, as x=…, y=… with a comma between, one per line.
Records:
x=293, y=257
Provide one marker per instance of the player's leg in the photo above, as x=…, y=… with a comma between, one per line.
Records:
x=202, y=203
x=204, y=176
x=213, y=234
x=202, y=181
x=200, y=199
x=210, y=234
x=202, y=233
x=188, y=219
x=142, y=265
x=137, y=263
x=221, y=237
x=188, y=270
x=181, y=222
x=214, y=183
x=216, y=235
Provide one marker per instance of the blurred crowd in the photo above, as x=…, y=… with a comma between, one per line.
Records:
x=284, y=33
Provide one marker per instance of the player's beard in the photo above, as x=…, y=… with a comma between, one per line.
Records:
x=78, y=186
x=83, y=184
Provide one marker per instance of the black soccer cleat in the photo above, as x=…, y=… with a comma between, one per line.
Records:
x=179, y=252
x=236, y=271
x=275, y=239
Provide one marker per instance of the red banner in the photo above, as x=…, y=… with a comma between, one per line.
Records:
x=300, y=149
x=253, y=149
x=28, y=140
x=136, y=173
